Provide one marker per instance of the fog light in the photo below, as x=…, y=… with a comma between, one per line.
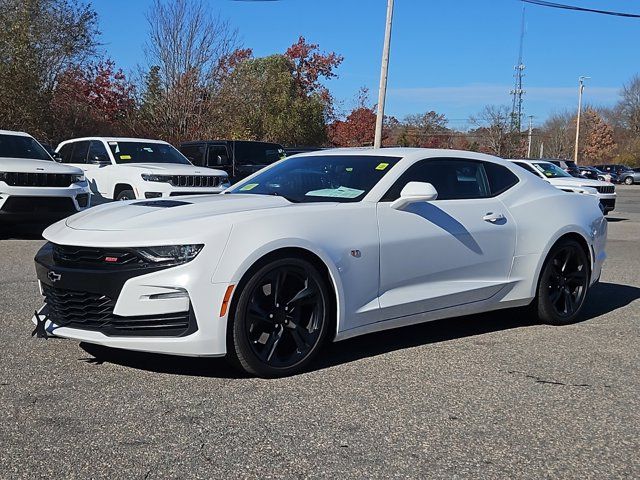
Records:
x=152, y=194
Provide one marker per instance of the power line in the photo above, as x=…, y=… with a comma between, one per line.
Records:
x=544, y=3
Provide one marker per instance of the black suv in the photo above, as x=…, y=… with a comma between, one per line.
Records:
x=568, y=166
x=239, y=158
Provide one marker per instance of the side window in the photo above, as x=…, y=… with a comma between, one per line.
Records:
x=195, y=153
x=218, y=156
x=98, y=152
x=79, y=154
x=65, y=152
x=528, y=168
x=500, y=178
x=454, y=179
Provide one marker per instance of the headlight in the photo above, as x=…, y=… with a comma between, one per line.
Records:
x=150, y=177
x=77, y=178
x=170, y=254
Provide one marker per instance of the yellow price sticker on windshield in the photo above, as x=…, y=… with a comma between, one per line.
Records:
x=248, y=186
x=125, y=157
x=382, y=166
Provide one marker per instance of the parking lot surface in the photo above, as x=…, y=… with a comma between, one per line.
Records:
x=486, y=396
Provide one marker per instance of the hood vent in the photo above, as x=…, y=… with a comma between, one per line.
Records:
x=161, y=203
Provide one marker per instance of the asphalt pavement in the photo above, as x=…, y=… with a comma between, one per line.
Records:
x=486, y=396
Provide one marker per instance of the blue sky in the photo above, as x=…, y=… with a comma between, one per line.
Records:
x=446, y=55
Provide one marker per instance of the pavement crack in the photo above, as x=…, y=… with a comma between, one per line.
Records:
x=551, y=382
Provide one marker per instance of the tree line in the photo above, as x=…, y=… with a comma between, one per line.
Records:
x=198, y=81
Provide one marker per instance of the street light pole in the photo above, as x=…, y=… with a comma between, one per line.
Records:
x=384, y=69
x=580, y=90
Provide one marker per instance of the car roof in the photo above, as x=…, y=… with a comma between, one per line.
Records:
x=115, y=139
x=11, y=132
x=408, y=153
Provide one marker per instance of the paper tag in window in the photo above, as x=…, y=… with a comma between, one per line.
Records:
x=125, y=157
x=248, y=186
x=382, y=166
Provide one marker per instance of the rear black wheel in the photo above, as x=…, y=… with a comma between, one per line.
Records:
x=281, y=318
x=563, y=283
x=628, y=181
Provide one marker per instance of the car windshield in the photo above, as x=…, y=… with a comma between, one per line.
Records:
x=146, y=152
x=326, y=178
x=21, y=146
x=550, y=170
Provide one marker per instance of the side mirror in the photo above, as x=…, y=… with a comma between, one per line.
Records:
x=56, y=157
x=415, y=192
x=100, y=160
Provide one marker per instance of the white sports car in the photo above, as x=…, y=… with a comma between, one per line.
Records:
x=320, y=246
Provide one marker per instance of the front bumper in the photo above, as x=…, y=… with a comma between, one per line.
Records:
x=29, y=204
x=139, y=297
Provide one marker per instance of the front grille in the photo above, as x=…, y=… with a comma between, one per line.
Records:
x=606, y=189
x=19, y=179
x=67, y=255
x=92, y=311
x=194, y=181
x=37, y=205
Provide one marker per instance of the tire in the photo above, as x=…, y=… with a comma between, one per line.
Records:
x=628, y=181
x=126, y=195
x=563, y=284
x=280, y=320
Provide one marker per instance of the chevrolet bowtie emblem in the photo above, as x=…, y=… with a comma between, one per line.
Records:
x=53, y=276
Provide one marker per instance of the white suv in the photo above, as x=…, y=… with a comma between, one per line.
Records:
x=131, y=168
x=605, y=191
x=33, y=187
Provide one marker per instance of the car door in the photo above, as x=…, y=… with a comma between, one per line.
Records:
x=100, y=169
x=457, y=249
x=218, y=158
x=75, y=153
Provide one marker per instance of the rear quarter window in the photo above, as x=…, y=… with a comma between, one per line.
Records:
x=500, y=178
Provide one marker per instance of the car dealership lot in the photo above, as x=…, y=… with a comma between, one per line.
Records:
x=483, y=396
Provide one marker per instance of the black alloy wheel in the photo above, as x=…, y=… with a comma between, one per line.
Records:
x=281, y=318
x=126, y=195
x=563, y=283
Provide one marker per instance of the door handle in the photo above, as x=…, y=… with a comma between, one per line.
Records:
x=493, y=217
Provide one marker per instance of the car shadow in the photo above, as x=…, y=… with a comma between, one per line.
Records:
x=604, y=298
x=22, y=232
x=616, y=219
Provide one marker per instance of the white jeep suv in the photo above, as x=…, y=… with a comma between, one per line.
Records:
x=33, y=187
x=605, y=191
x=132, y=168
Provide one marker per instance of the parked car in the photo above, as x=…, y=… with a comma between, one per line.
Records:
x=238, y=158
x=290, y=151
x=625, y=174
x=320, y=247
x=594, y=174
x=606, y=192
x=131, y=168
x=568, y=166
x=33, y=187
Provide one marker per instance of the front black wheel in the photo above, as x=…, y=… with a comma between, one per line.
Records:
x=280, y=319
x=126, y=195
x=563, y=283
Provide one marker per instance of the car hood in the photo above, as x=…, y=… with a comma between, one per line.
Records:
x=174, y=213
x=577, y=182
x=28, y=165
x=172, y=169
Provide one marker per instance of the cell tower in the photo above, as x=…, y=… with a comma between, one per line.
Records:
x=518, y=92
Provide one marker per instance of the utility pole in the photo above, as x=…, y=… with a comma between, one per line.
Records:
x=541, y=150
x=580, y=90
x=530, y=135
x=384, y=70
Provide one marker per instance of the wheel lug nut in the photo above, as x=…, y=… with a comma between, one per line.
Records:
x=271, y=315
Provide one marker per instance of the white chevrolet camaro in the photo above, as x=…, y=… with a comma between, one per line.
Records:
x=320, y=246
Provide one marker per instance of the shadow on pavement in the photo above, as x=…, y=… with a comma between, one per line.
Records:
x=603, y=298
x=616, y=219
x=22, y=232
